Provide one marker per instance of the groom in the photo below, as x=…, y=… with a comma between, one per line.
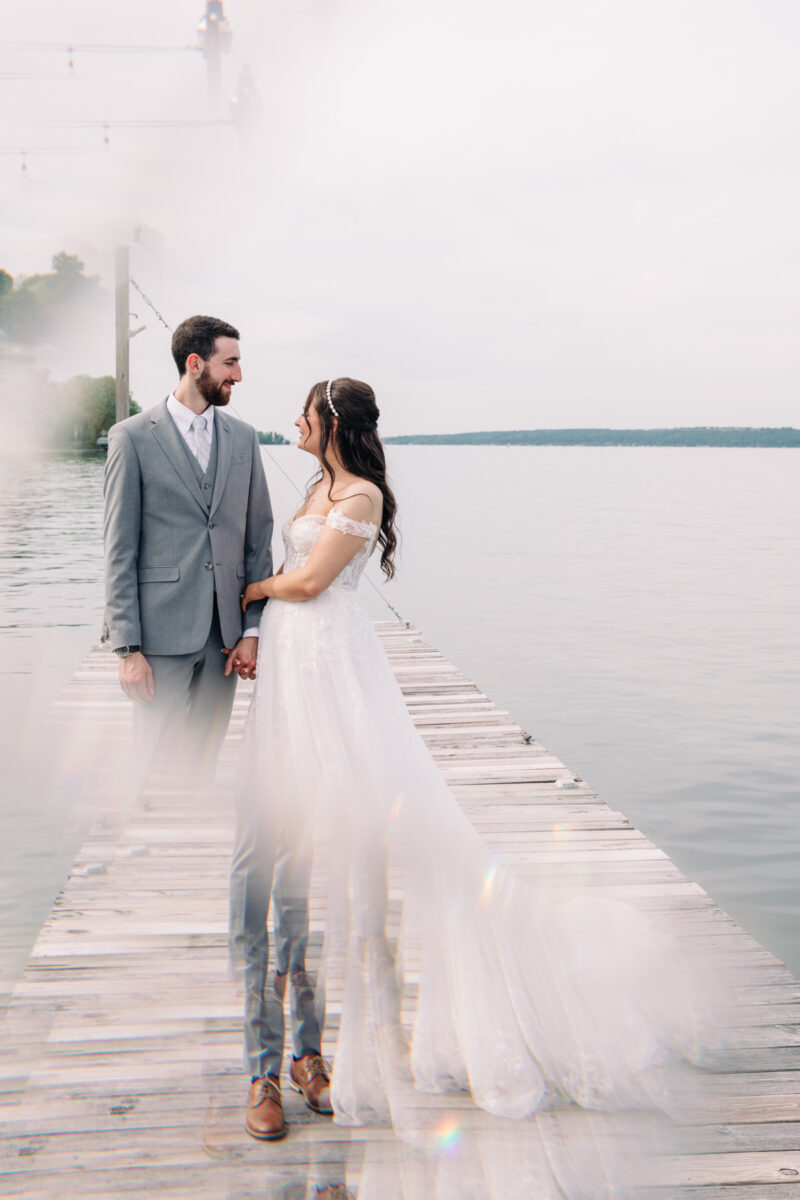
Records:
x=188, y=524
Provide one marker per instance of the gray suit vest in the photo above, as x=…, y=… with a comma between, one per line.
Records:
x=208, y=479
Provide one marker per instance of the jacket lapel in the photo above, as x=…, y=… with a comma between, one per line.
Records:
x=166, y=434
x=224, y=437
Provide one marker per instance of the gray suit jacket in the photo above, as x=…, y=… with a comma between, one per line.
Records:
x=166, y=552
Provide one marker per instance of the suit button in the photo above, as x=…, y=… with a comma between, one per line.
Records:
x=210, y=524
x=206, y=486
x=209, y=566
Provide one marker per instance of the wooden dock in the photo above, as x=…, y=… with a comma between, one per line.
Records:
x=121, y=1050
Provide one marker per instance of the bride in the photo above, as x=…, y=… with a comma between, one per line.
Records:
x=520, y=998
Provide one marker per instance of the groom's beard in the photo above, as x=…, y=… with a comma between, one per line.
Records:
x=217, y=394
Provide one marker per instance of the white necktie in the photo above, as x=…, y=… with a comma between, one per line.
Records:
x=202, y=449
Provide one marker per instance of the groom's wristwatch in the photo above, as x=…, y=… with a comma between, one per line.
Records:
x=124, y=651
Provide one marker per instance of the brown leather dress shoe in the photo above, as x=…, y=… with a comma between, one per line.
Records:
x=265, y=1118
x=310, y=1075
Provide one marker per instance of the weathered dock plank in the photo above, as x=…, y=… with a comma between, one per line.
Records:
x=120, y=1062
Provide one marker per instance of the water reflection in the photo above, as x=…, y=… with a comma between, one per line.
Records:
x=50, y=543
x=50, y=603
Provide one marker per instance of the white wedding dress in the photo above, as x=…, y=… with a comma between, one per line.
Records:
x=523, y=998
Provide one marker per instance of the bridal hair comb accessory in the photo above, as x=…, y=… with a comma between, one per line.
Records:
x=328, y=398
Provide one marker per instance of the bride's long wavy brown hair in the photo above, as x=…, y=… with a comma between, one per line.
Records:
x=359, y=448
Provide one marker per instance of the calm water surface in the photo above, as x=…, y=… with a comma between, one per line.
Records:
x=635, y=609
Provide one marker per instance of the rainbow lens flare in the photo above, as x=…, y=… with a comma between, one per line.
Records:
x=446, y=1134
x=488, y=883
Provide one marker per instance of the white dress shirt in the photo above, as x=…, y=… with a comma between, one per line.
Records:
x=183, y=417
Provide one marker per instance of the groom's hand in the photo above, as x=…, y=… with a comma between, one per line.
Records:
x=242, y=658
x=136, y=677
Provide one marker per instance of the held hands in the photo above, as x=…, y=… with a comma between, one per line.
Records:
x=242, y=658
x=136, y=677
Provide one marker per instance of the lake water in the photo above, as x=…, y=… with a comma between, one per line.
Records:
x=635, y=609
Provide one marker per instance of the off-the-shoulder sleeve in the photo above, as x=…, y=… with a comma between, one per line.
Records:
x=362, y=529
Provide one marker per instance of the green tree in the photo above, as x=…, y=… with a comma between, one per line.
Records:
x=32, y=305
x=68, y=266
x=81, y=410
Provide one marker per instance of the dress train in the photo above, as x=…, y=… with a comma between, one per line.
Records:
x=524, y=998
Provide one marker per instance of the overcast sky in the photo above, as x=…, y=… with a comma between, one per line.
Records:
x=507, y=215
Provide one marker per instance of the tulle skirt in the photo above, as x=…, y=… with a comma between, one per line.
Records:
x=490, y=982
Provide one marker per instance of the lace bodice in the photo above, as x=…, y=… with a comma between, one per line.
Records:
x=300, y=537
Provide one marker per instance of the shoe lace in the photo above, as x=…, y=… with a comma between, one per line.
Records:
x=268, y=1090
x=318, y=1066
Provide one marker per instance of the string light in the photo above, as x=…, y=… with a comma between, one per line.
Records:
x=31, y=75
x=17, y=150
x=98, y=48
x=154, y=124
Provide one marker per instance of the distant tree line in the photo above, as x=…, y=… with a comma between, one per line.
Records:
x=272, y=439
x=695, y=435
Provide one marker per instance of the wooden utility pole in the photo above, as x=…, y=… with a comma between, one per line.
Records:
x=215, y=39
x=213, y=58
x=122, y=275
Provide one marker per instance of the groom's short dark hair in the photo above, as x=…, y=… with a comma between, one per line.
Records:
x=197, y=335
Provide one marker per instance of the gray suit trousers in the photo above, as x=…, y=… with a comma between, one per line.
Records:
x=184, y=724
x=267, y=864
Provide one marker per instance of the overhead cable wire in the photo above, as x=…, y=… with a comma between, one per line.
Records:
x=150, y=304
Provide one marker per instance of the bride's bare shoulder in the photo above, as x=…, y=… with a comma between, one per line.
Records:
x=360, y=499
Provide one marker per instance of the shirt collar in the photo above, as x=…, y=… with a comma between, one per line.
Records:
x=183, y=416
